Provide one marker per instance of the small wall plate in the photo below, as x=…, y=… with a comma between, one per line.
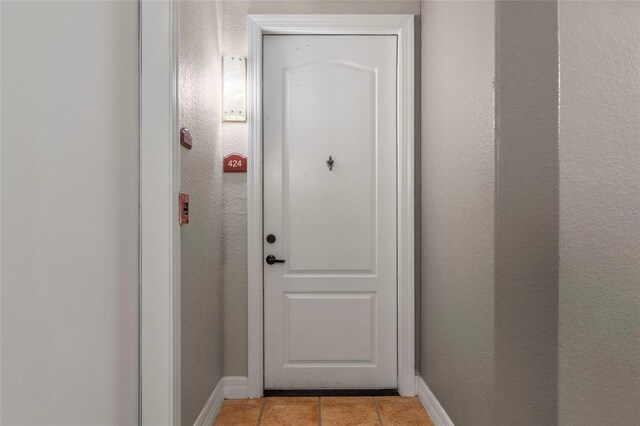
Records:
x=183, y=200
x=235, y=163
x=185, y=138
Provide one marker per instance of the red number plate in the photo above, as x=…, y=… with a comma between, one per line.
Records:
x=235, y=163
x=184, y=208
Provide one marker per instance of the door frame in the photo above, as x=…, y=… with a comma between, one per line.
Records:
x=402, y=27
x=159, y=256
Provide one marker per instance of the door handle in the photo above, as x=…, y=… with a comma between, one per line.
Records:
x=271, y=259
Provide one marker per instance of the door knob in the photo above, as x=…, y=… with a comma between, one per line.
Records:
x=271, y=259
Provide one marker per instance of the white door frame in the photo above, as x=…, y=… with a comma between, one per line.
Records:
x=402, y=26
x=159, y=402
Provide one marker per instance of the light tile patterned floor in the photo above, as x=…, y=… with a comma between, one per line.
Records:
x=325, y=411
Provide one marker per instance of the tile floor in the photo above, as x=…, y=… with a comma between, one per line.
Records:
x=325, y=411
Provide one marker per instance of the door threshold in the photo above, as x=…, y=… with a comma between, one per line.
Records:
x=330, y=392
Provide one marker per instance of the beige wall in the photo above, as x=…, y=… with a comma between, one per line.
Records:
x=490, y=210
x=234, y=41
x=201, y=176
x=566, y=309
x=458, y=185
x=526, y=263
x=70, y=175
x=599, y=213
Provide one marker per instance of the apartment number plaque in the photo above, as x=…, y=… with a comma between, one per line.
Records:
x=235, y=163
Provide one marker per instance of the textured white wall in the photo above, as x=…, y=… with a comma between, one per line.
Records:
x=458, y=185
x=599, y=213
x=69, y=213
x=201, y=176
x=234, y=41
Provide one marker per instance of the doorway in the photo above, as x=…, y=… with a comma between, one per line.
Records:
x=159, y=234
x=339, y=311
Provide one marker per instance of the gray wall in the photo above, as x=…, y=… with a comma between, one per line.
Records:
x=490, y=210
x=566, y=303
x=530, y=263
x=201, y=176
x=599, y=213
x=235, y=140
x=458, y=185
x=526, y=264
x=69, y=213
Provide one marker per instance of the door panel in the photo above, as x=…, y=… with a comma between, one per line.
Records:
x=342, y=201
x=331, y=307
x=311, y=318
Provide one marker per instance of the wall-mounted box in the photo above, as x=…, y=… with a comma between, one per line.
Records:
x=183, y=201
x=185, y=138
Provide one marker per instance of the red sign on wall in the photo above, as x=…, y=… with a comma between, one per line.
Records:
x=184, y=208
x=185, y=138
x=235, y=163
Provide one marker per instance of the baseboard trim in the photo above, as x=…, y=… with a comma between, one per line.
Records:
x=212, y=407
x=236, y=387
x=439, y=417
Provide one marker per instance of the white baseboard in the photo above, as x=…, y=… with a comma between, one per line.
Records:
x=438, y=416
x=236, y=387
x=212, y=407
x=227, y=388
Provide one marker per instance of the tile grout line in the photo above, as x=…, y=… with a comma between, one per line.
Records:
x=375, y=404
x=261, y=411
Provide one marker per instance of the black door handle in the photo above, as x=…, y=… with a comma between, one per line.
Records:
x=271, y=259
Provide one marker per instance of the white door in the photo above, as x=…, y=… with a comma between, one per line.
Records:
x=331, y=307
